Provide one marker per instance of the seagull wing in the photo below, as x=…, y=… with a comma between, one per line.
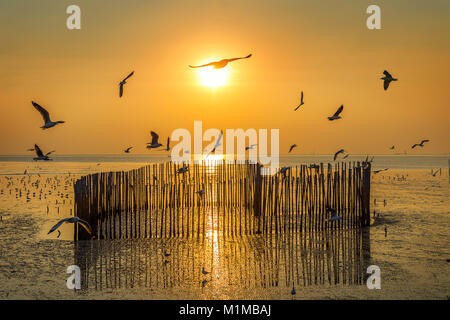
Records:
x=56, y=226
x=387, y=74
x=414, y=145
x=42, y=111
x=120, y=89
x=85, y=225
x=128, y=76
x=155, y=137
x=38, y=151
x=423, y=141
x=386, y=83
x=49, y=153
x=204, y=65
x=168, y=143
x=339, y=111
x=233, y=59
x=301, y=97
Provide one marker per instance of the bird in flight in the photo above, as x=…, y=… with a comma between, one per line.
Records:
x=301, y=102
x=218, y=143
x=75, y=220
x=127, y=150
x=40, y=154
x=204, y=271
x=220, y=64
x=154, y=143
x=251, y=147
x=387, y=79
x=346, y=156
x=44, y=113
x=336, y=114
x=292, y=147
x=122, y=83
x=392, y=148
x=420, y=144
x=337, y=153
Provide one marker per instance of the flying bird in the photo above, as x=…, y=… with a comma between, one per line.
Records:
x=301, y=102
x=387, y=79
x=204, y=271
x=378, y=171
x=154, y=143
x=392, y=148
x=250, y=147
x=40, y=154
x=346, y=156
x=122, y=83
x=44, y=113
x=336, y=115
x=337, y=153
x=292, y=147
x=218, y=143
x=420, y=144
x=127, y=150
x=75, y=220
x=220, y=64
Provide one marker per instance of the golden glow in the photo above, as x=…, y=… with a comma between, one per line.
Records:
x=213, y=78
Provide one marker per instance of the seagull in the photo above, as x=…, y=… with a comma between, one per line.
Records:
x=220, y=64
x=44, y=113
x=334, y=216
x=420, y=144
x=434, y=174
x=337, y=153
x=40, y=155
x=154, y=143
x=301, y=102
x=204, y=271
x=336, y=115
x=392, y=148
x=378, y=171
x=121, y=83
x=346, y=156
x=387, y=79
x=167, y=148
x=127, y=150
x=250, y=147
x=76, y=220
x=218, y=143
x=292, y=147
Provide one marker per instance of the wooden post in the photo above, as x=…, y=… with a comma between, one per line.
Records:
x=365, y=214
x=257, y=195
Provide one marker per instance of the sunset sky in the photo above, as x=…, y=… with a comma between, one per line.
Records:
x=321, y=47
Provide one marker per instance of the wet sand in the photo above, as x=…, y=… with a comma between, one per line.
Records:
x=329, y=265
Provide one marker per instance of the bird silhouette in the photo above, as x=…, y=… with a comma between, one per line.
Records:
x=40, y=154
x=154, y=143
x=220, y=64
x=336, y=116
x=337, y=153
x=292, y=147
x=127, y=150
x=122, y=83
x=75, y=220
x=421, y=144
x=387, y=79
x=301, y=102
x=44, y=113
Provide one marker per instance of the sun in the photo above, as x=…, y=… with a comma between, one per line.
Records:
x=213, y=78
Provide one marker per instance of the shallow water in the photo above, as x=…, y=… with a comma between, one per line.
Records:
x=412, y=253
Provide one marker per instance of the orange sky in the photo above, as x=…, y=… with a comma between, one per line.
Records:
x=315, y=46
